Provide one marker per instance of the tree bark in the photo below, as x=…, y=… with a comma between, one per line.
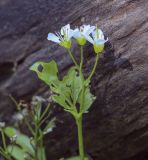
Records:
x=117, y=126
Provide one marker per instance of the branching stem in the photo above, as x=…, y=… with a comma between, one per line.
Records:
x=94, y=68
x=73, y=59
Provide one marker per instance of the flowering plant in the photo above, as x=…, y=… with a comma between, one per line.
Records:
x=73, y=91
x=18, y=146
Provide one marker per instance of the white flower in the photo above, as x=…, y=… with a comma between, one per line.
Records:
x=13, y=138
x=48, y=130
x=97, y=39
x=2, y=125
x=18, y=117
x=82, y=32
x=63, y=37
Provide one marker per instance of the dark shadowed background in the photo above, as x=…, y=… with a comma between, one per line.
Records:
x=117, y=126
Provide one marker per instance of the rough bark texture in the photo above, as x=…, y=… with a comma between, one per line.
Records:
x=117, y=126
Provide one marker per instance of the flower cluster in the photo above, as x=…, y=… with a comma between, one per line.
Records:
x=85, y=33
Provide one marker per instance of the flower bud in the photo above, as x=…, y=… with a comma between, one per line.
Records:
x=66, y=44
x=98, y=48
x=81, y=41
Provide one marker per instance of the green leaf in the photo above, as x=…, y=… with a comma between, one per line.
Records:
x=62, y=94
x=68, y=90
x=76, y=158
x=88, y=100
x=21, y=139
x=38, y=109
x=49, y=126
x=24, y=142
x=59, y=99
x=62, y=89
x=48, y=72
x=76, y=86
x=68, y=78
x=16, y=152
x=74, y=82
x=10, y=131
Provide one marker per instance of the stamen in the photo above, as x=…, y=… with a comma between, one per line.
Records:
x=59, y=36
x=64, y=33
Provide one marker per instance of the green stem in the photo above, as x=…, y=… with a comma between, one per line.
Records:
x=73, y=59
x=82, y=80
x=81, y=63
x=79, y=118
x=29, y=126
x=5, y=155
x=3, y=139
x=36, y=138
x=94, y=68
x=5, y=151
x=41, y=146
x=80, y=138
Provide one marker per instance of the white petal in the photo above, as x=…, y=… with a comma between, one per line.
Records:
x=77, y=34
x=83, y=27
x=71, y=33
x=101, y=35
x=75, y=31
x=86, y=28
x=53, y=37
x=89, y=30
x=100, y=41
x=94, y=34
x=65, y=29
x=89, y=38
x=67, y=26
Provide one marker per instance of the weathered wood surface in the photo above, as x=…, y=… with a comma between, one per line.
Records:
x=117, y=126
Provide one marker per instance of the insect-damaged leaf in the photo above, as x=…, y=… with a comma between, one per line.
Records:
x=47, y=72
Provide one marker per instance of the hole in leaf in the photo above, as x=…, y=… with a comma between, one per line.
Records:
x=40, y=68
x=77, y=74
